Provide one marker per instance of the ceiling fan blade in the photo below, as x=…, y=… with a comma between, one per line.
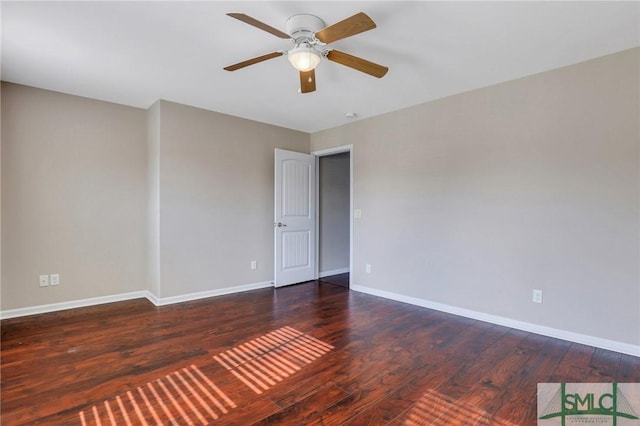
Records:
x=253, y=61
x=358, y=23
x=264, y=27
x=357, y=63
x=307, y=81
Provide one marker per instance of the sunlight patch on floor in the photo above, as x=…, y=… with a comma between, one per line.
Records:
x=262, y=362
x=182, y=397
x=187, y=396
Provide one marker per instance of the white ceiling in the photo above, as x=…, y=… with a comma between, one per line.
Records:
x=134, y=53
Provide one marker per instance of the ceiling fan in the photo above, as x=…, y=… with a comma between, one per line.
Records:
x=310, y=36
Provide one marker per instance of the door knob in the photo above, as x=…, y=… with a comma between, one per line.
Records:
x=279, y=224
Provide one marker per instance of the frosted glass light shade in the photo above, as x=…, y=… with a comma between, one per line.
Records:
x=304, y=58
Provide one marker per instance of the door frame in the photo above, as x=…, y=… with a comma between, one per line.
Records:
x=323, y=153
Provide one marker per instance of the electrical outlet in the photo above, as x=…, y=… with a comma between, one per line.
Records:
x=44, y=280
x=254, y=265
x=54, y=279
x=537, y=296
x=367, y=268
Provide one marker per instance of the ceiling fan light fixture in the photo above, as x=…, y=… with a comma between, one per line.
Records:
x=304, y=58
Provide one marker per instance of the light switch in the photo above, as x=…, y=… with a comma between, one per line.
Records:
x=537, y=296
x=357, y=213
x=54, y=279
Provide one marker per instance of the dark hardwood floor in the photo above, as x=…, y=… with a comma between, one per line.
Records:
x=341, y=280
x=312, y=354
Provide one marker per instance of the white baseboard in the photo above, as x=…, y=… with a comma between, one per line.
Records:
x=161, y=301
x=334, y=272
x=81, y=303
x=157, y=301
x=598, y=342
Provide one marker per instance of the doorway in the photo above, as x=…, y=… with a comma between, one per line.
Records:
x=334, y=215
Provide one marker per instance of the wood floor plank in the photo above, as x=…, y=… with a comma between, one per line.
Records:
x=603, y=366
x=540, y=363
x=574, y=365
x=491, y=393
x=311, y=406
x=337, y=357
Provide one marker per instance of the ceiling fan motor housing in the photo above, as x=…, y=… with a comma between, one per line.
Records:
x=302, y=27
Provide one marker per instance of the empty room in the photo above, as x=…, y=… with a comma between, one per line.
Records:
x=320, y=213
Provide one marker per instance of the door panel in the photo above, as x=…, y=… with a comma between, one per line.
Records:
x=295, y=249
x=295, y=189
x=294, y=218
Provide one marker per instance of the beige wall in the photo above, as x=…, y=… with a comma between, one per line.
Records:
x=474, y=200
x=73, y=197
x=216, y=198
x=174, y=200
x=334, y=199
x=0, y=198
x=153, y=198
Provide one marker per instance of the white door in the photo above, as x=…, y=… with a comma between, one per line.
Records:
x=294, y=221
